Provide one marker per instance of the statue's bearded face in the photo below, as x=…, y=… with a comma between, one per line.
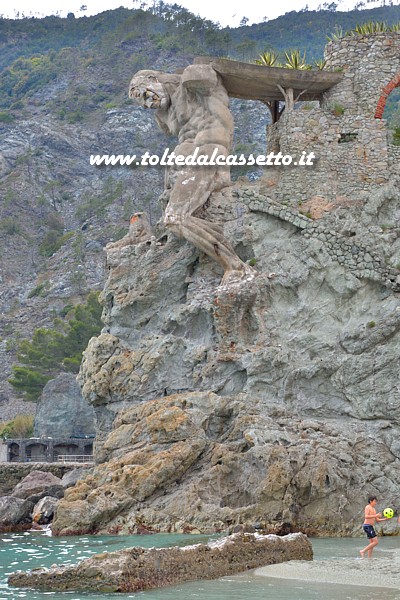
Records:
x=147, y=91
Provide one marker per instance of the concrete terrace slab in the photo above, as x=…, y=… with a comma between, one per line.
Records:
x=255, y=82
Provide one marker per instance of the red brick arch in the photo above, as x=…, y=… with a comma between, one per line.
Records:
x=380, y=107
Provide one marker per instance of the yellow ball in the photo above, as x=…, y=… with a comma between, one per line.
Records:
x=388, y=513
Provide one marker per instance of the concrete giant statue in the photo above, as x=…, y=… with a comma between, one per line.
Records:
x=194, y=107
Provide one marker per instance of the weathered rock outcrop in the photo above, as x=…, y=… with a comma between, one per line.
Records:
x=276, y=401
x=137, y=569
x=14, y=512
x=62, y=411
x=43, y=511
x=70, y=478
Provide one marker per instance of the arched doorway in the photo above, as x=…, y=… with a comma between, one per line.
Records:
x=65, y=450
x=36, y=452
x=88, y=451
x=13, y=452
x=380, y=107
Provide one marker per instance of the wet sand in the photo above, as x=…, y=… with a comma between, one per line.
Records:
x=383, y=570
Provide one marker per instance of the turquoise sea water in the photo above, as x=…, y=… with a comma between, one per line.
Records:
x=25, y=551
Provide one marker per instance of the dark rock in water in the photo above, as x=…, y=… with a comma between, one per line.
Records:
x=62, y=411
x=35, y=483
x=14, y=511
x=136, y=569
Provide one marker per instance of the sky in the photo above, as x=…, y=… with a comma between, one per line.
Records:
x=226, y=13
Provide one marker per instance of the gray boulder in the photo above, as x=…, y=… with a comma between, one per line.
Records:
x=44, y=510
x=35, y=483
x=14, y=511
x=62, y=411
x=55, y=491
x=73, y=476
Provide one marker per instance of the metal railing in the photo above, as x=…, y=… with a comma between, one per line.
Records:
x=75, y=458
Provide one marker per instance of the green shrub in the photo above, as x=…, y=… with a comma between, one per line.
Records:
x=65, y=310
x=386, y=226
x=337, y=109
x=368, y=28
x=5, y=117
x=28, y=382
x=50, y=243
x=75, y=117
x=24, y=76
x=294, y=60
x=55, y=221
x=17, y=105
x=39, y=290
x=10, y=226
x=12, y=344
x=320, y=64
x=396, y=136
x=372, y=27
x=53, y=240
x=20, y=427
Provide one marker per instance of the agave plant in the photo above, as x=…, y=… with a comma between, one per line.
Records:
x=363, y=29
x=372, y=27
x=336, y=35
x=320, y=64
x=267, y=59
x=294, y=60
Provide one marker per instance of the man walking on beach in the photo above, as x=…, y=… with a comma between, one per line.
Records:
x=371, y=517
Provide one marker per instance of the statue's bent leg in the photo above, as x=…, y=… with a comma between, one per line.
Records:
x=191, y=190
x=208, y=238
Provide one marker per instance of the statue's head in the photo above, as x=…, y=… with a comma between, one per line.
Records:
x=148, y=91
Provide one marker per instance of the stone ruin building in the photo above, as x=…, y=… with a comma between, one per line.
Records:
x=347, y=131
x=340, y=118
x=344, y=126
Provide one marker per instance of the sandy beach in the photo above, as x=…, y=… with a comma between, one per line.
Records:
x=383, y=570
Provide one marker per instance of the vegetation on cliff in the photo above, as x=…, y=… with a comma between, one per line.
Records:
x=19, y=427
x=35, y=51
x=53, y=350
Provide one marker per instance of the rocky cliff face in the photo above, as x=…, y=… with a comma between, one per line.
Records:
x=48, y=188
x=275, y=401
